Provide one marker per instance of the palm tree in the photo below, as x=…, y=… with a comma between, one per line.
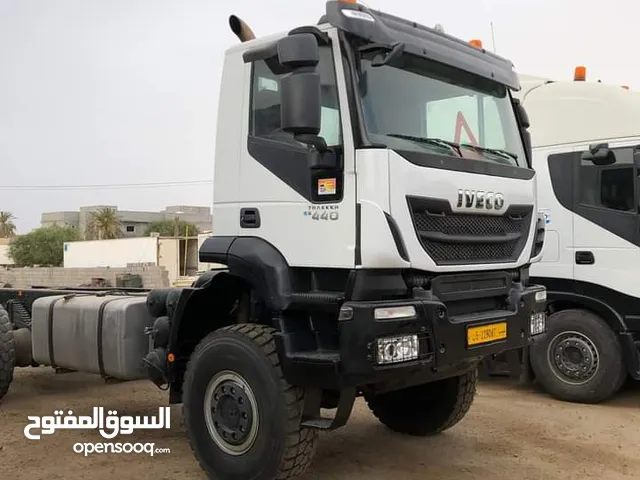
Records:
x=7, y=227
x=104, y=224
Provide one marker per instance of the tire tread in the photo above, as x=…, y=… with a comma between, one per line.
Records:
x=300, y=442
x=426, y=422
x=7, y=352
x=611, y=382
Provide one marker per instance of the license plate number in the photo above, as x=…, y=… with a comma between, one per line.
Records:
x=486, y=333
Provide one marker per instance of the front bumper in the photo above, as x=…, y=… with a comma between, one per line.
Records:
x=444, y=342
x=447, y=344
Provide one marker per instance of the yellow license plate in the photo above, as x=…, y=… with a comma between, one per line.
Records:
x=486, y=333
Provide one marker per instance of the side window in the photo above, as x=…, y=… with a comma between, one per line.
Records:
x=636, y=154
x=264, y=112
x=611, y=186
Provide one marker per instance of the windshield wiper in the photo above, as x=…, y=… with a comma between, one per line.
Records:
x=430, y=141
x=495, y=151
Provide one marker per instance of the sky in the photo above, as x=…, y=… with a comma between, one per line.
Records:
x=123, y=92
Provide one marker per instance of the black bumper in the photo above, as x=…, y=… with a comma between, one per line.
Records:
x=444, y=349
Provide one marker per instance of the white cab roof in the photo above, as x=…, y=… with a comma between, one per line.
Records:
x=570, y=112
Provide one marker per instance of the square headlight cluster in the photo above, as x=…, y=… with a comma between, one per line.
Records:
x=398, y=348
x=538, y=323
x=401, y=348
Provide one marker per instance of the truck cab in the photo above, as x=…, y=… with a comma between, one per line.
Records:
x=375, y=244
x=375, y=213
x=586, y=152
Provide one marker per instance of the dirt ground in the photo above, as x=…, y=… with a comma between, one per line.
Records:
x=511, y=432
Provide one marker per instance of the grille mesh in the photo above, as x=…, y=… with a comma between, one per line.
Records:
x=505, y=236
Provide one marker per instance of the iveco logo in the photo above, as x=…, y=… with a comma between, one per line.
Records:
x=480, y=199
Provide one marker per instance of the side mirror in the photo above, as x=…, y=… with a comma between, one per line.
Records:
x=521, y=113
x=299, y=50
x=523, y=125
x=300, y=92
x=600, y=155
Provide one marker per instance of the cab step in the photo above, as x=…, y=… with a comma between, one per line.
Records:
x=631, y=352
x=637, y=343
x=312, y=418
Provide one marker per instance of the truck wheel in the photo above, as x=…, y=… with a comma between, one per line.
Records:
x=580, y=359
x=241, y=416
x=426, y=409
x=7, y=352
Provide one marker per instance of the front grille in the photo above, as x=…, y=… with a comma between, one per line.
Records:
x=451, y=238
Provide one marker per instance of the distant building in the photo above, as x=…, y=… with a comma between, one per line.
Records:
x=134, y=223
x=5, y=259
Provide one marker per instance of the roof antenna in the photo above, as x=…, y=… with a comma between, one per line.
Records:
x=493, y=38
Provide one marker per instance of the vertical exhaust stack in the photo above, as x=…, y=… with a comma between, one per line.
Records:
x=241, y=29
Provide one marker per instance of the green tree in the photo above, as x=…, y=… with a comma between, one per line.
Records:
x=43, y=246
x=103, y=224
x=7, y=227
x=167, y=228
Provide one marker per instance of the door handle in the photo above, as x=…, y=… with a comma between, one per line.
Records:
x=585, y=258
x=249, y=218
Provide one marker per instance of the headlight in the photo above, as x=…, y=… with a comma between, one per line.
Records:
x=402, y=348
x=538, y=323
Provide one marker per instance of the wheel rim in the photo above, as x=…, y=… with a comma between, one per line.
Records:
x=573, y=357
x=231, y=413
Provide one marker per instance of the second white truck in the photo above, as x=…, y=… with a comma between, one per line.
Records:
x=586, y=152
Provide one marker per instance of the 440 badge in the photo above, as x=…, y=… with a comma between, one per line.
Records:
x=324, y=212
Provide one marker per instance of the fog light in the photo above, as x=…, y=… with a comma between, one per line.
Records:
x=538, y=323
x=541, y=296
x=402, y=348
x=390, y=313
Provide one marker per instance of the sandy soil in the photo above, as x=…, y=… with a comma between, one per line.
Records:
x=511, y=432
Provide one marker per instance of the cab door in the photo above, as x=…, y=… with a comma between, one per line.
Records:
x=606, y=223
x=308, y=213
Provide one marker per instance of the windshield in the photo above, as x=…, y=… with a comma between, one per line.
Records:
x=423, y=105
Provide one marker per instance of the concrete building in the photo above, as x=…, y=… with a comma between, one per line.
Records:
x=5, y=259
x=134, y=223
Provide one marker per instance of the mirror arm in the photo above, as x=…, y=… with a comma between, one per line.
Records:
x=315, y=141
x=595, y=147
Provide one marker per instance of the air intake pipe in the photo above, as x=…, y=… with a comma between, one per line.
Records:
x=241, y=29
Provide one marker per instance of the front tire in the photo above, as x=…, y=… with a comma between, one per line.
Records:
x=241, y=416
x=426, y=409
x=7, y=352
x=580, y=358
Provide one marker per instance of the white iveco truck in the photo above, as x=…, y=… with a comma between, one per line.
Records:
x=586, y=152
x=370, y=249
